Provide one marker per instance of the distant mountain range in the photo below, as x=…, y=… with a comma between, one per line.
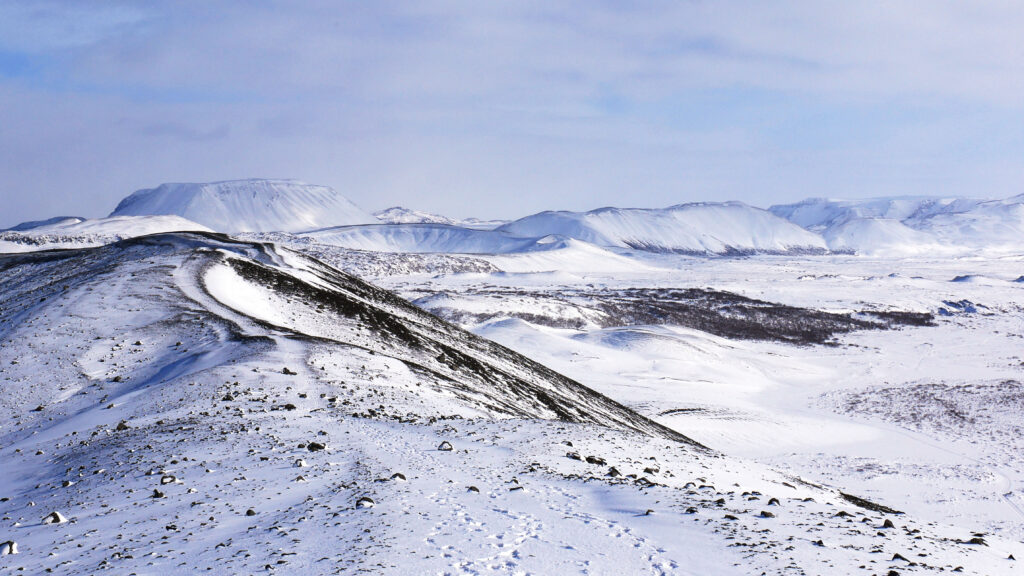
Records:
x=891, y=226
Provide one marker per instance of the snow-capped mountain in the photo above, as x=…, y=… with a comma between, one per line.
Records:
x=818, y=214
x=699, y=228
x=399, y=215
x=252, y=205
x=912, y=225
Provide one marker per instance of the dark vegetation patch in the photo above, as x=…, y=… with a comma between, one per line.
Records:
x=717, y=312
x=867, y=504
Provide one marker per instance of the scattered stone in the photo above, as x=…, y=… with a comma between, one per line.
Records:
x=773, y=502
x=445, y=446
x=289, y=406
x=315, y=446
x=250, y=512
x=596, y=460
x=300, y=463
x=614, y=472
x=288, y=372
x=767, y=514
x=39, y=408
x=900, y=557
x=473, y=489
x=398, y=476
x=365, y=502
x=122, y=426
x=888, y=524
x=573, y=455
x=157, y=493
x=168, y=479
x=730, y=517
x=54, y=517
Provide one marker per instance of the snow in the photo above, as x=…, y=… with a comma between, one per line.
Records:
x=224, y=358
x=80, y=232
x=399, y=215
x=715, y=228
x=252, y=205
x=416, y=238
x=901, y=226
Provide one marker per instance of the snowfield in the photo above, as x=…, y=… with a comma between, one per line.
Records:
x=827, y=388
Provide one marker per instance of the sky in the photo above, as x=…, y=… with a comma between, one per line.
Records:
x=501, y=109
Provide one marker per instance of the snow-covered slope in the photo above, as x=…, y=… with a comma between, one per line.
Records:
x=81, y=233
x=253, y=205
x=818, y=214
x=399, y=215
x=701, y=228
x=421, y=238
x=883, y=237
x=187, y=403
x=25, y=226
x=912, y=225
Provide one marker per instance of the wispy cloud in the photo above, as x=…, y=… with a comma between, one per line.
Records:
x=498, y=108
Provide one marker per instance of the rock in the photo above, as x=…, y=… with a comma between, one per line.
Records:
x=39, y=408
x=67, y=483
x=168, y=479
x=54, y=517
x=473, y=489
x=157, y=493
x=398, y=476
x=315, y=446
x=288, y=372
x=250, y=512
x=651, y=470
x=445, y=446
x=888, y=524
x=614, y=472
x=289, y=406
x=773, y=502
x=122, y=426
x=975, y=540
x=899, y=556
x=365, y=502
x=300, y=463
x=596, y=460
x=9, y=547
x=573, y=455
x=767, y=514
x=730, y=517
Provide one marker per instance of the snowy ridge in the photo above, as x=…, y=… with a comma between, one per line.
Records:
x=421, y=238
x=700, y=228
x=399, y=215
x=82, y=233
x=253, y=205
x=900, y=226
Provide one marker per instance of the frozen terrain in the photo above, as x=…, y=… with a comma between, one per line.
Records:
x=252, y=205
x=516, y=401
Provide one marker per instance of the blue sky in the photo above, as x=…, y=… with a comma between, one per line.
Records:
x=499, y=109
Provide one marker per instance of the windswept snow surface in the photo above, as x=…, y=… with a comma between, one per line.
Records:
x=80, y=232
x=252, y=205
x=701, y=228
x=194, y=403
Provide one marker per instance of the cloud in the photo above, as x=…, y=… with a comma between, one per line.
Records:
x=499, y=108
